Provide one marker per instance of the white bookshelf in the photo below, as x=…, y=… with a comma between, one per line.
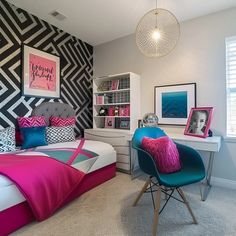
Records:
x=126, y=94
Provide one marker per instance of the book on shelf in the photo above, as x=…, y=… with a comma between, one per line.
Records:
x=99, y=99
x=114, y=84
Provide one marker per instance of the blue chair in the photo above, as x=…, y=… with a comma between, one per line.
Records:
x=192, y=171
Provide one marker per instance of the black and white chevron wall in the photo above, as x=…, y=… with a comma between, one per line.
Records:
x=76, y=61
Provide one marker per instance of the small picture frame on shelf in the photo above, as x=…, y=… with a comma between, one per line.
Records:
x=123, y=123
x=114, y=84
x=109, y=123
x=103, y=86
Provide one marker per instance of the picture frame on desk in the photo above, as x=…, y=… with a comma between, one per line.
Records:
x=199, y=121
x=174, y=102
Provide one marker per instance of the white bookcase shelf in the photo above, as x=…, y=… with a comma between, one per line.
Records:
x=124, y=93
x=119, y=96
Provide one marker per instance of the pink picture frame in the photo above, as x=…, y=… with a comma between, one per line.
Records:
x=109, y=122
x=41, y=73
x=199, y=121
x=114, y=84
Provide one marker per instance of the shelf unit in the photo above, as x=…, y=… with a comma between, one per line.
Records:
x=117, y=92
x=126, y=94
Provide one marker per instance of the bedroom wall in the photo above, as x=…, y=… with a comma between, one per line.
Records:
x=76, y=60
x=199, y=57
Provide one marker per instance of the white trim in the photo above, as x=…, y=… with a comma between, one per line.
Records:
x=230, y=139
x=226, y=183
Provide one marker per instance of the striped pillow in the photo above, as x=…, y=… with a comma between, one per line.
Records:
x=59, y=121
x=34, y=121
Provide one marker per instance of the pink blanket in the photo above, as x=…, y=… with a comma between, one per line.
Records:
x=45, y=183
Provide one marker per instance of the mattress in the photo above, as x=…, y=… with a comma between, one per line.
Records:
x=106, y=155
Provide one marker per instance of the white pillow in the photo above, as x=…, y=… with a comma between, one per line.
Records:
x=7, y=140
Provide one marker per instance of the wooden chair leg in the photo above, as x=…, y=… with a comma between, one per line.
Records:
x=142, y=191
x=182, y=195
x=156, y=211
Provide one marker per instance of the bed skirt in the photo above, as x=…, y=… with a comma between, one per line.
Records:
x=19, y=215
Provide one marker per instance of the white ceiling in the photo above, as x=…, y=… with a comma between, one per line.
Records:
x=100, y=21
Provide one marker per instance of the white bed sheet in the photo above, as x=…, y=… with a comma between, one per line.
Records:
x=9, y=193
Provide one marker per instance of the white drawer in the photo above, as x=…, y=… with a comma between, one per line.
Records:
x=123, y=166
x=115, y=140
x=203, y=146
x=122, y=150
x=123, y=159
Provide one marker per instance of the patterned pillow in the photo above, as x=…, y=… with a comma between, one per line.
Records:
x=164, y=152
x=59, y=121
x=7, y=140
x=60, y=134
x=34, y=121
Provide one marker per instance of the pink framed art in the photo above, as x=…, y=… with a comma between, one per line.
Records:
x=199, y=121
x=41, y=73
x=109, y=122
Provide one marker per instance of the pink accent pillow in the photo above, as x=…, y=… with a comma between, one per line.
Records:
x=58, y=121
x=164, y=152
x=34, y=121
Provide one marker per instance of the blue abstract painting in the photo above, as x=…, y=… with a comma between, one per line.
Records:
x=174, y=105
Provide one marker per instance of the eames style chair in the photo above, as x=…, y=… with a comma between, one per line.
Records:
x=192, y=171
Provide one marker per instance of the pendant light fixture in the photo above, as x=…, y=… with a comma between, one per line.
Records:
x=157, y=32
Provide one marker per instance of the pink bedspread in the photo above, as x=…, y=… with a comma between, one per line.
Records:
x=45, y=183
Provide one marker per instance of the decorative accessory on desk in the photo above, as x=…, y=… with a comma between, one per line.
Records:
x=199, y=122
x=174, y=102
x=150, y=120
x=157, y=32
x=102, y=111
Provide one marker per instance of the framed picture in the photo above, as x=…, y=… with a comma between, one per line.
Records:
x=41, y=73
x=123, y=123
x=114, y=84
x=199, y=121
x=109, y=122
x=174, y=102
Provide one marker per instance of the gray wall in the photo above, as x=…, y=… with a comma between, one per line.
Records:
x=199, y=57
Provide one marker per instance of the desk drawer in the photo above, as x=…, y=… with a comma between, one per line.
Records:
x=123, y=150
x=123, y=159
x=202, y=146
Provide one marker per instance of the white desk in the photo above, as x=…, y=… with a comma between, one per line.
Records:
x=210, y=144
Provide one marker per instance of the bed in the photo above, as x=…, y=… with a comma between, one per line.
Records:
x=15, y=211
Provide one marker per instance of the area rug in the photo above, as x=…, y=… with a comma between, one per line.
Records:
x=107, y=211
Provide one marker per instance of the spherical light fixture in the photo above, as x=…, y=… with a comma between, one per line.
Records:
x=157, y=33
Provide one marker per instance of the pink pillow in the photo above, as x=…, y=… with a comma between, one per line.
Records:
x=164, y=152
x=58, y=121
x=33, y=121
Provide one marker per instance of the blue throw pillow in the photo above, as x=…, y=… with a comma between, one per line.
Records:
x=33, y=137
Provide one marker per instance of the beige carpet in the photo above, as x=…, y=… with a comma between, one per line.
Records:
x=107, y=211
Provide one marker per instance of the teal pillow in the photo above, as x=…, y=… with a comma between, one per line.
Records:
x=33, y=137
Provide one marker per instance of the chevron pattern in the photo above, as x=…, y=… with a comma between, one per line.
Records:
x=76, y=56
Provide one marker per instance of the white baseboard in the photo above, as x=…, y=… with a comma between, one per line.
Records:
x=226, y=183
